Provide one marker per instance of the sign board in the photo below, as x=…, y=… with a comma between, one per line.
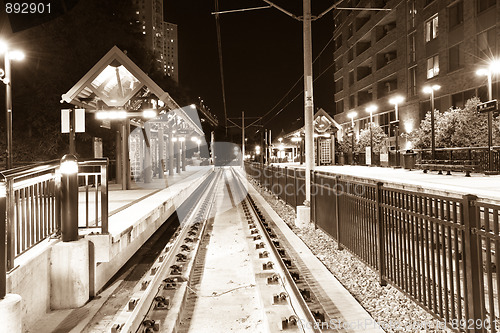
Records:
x=487, y=106
x=65, y=122
x=79, y=115
x=368, y=154
x=105, y=123
x=97, y=147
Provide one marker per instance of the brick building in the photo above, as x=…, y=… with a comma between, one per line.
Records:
x=380, y=54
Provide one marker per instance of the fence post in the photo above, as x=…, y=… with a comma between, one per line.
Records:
x=69, y=198
x=380, y=233
x=337, y=212
x=313, y=197
x=472, y=260
x=3, y=245
x=295, y=187
x=104, y=197
x=284, y=187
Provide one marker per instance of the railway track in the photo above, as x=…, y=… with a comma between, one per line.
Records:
x=169, y=297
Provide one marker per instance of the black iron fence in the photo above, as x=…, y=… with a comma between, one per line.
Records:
x=30, y=209
x=440, y=251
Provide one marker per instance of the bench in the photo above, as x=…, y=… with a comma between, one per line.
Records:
x=466, y=166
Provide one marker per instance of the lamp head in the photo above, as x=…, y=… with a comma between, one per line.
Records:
x=397, y=100
x=3, y=46
x=352, y=114
x=16, y=55
x=371, y=108
x=430, y=89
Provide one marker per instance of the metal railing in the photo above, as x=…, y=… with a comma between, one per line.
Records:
x=91, y=174
x=440, y=251
x=30, y=206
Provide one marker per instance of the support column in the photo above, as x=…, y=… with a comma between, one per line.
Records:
x=177, y=156
x=161, y=153
x=118, y=157
x=171, y=154
x=183, y=154
x=147, y=153
x=125, y=155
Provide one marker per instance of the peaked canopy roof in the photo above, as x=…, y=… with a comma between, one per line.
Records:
x=323, y=123
x=115, y=80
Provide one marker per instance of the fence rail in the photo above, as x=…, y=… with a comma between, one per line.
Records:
x=30, y=206
x=440, y=251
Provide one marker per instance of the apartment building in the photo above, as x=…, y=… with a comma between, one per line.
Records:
x=170, y=51
x=160, y=36
x=380, y=54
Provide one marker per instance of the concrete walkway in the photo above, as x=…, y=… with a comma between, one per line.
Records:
x=119, y=199
x=487, y=187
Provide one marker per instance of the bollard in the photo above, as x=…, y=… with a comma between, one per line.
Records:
x=3, y=248
x=69, y=198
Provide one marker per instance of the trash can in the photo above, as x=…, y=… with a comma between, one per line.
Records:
x=409, y=158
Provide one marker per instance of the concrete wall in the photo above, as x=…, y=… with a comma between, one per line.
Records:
x=31, y=278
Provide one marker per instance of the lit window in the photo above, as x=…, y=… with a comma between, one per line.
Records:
x=432, y=66
x=431, y=29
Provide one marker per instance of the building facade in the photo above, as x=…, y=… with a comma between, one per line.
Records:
x=170, y=51
x=160, y=36
x=418, y=43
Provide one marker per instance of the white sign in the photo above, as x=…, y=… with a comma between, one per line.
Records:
x=368, y=158
x=384, y=157
x=66, y=120
x=79, y=120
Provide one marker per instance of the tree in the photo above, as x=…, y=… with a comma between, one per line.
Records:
x=378, y=135
x=456, y=128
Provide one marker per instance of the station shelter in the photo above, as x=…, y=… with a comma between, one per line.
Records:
x=289, y=147
x=153, y=131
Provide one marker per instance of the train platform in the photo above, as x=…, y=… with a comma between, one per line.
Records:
x=232, y=293
x=134, y=215
x=119, y=199
x=483, y=186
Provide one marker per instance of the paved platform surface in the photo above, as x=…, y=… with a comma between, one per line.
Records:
x=484, y=186
x=74, y=320
x=119, y=199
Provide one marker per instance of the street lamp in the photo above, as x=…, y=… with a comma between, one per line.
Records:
x=351, y=115
x=370, y=109
x=396, y=100
x=8, y=56
x=430, y=90
x=492, y=69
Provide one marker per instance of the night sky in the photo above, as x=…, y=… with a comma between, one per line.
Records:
x=262, y=58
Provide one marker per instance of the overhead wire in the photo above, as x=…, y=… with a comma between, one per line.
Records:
x=221, y=68
x=300, y=93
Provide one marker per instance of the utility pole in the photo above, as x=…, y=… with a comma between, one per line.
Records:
x=243, y=139
x=308, y=99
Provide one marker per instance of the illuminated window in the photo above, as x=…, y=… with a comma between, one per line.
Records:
x=432, y=66
x=431, y=29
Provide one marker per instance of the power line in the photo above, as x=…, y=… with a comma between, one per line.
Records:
x=300, y=93
x=300, y=79
x=219, y=45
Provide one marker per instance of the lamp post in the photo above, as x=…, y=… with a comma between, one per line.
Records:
x=370, y=109
x=351, y=115
x=492, y=69
x=7, y=80
x=430, y=90
x=396, y=100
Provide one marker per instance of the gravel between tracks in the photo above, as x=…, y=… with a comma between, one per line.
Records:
x=387, y=305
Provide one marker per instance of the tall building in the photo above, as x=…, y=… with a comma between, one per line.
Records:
x=379, y=54
x=160, y=36
x=170, y=51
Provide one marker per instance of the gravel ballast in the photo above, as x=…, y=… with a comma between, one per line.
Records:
x=394, y=311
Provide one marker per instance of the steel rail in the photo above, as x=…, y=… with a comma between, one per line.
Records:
x=135, y=318
x=297, y=302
